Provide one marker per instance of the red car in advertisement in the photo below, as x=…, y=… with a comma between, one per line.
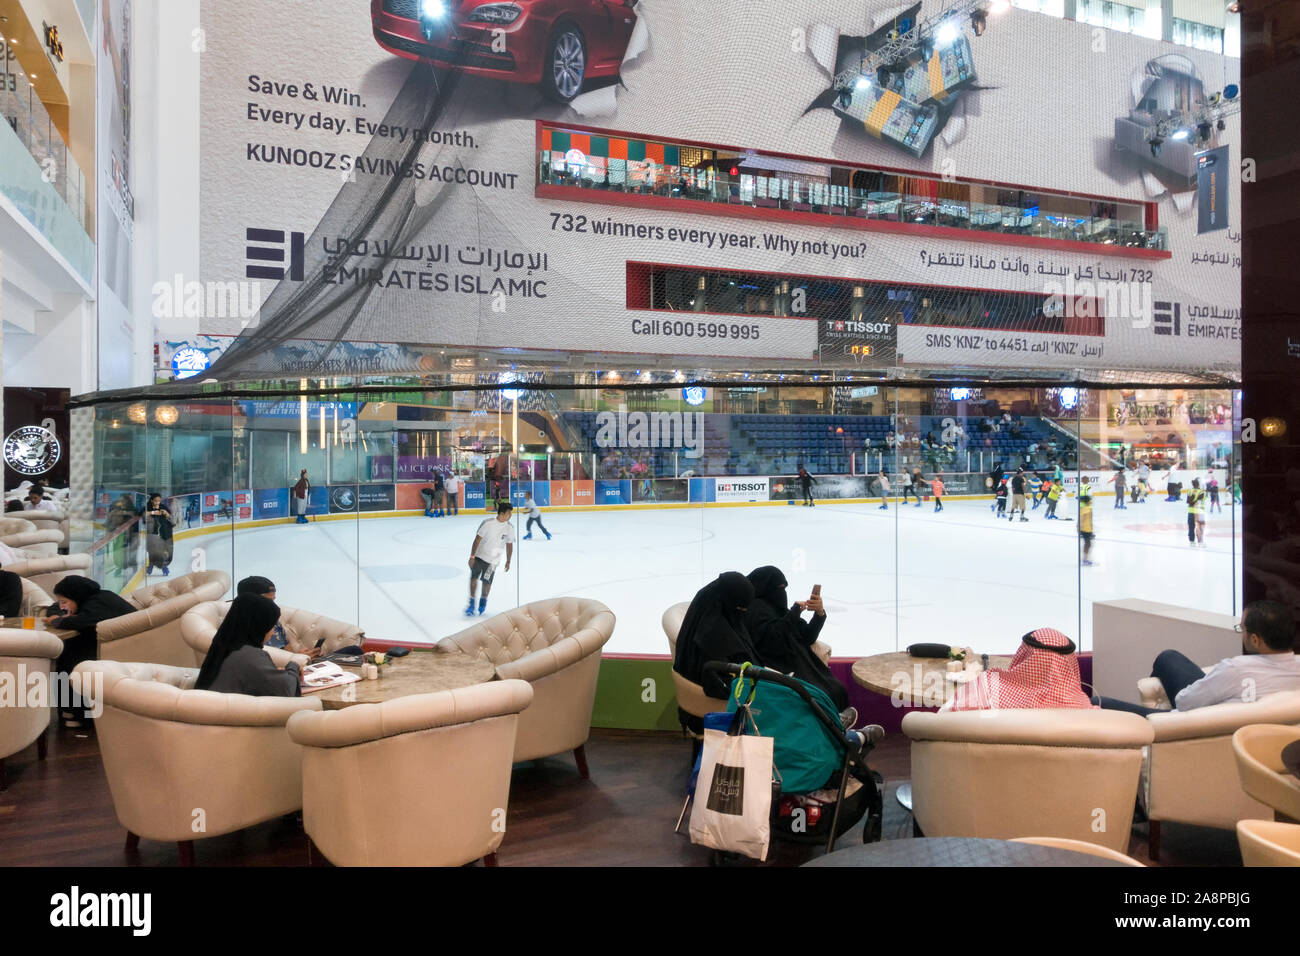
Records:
x=557, y=44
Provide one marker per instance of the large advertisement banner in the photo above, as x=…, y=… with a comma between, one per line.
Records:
x=747, y=178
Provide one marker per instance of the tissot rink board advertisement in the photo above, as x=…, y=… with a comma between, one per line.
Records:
x=765, y=179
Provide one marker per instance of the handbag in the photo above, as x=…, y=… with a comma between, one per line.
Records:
x=733, y=799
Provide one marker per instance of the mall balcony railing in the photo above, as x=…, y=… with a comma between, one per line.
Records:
x=39, y=175
x=795, y=193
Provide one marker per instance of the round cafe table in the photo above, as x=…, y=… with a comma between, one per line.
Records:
x=887, y=674
x=419, y=672
x=16, y=623
x=958, y=851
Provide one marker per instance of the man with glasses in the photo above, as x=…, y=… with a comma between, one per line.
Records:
x=1267, y=665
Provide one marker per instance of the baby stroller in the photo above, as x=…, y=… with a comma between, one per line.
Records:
x=826, y=786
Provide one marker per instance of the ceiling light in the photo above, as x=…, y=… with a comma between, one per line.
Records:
x=946, y=35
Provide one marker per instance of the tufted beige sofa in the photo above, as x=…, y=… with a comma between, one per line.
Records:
x=443, y=760
x=1003, y=774
x=28, y=652
x=183, y=764
x=152, y=634
x=22, y=534
x=555, y=646
x=1191, y=773
x=199, y=625
x=47, y=572
x=52, y=521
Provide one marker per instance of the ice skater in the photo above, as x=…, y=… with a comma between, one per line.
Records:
x=494, y=536
x=1053, y=497
x=301, y=496
x=884, y=489
x=1036, y=490
x=1002, y=498
x=428, y=495
x=1121, y=483
x=1196, y=514
x=1085, y=521
x=534, y=514
x=993, y=483
x=1018, y=495
x=917, y=483
x=438, y=495
x=1213, y=489
x=451, y=488
x=937, y=489
x=806, y=481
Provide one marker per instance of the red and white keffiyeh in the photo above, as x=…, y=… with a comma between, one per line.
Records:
x=1036, y=679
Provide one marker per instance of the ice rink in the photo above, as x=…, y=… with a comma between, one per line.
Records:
x=889, y=578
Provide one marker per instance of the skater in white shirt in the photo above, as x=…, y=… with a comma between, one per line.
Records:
x=534, y=514
x=495, y=536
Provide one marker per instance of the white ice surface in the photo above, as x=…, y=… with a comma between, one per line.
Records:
x=963, y=577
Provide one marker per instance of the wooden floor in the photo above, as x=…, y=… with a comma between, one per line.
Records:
x=59, y=813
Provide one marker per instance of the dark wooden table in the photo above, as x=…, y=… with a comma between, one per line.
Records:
x=16, y=623
x=419, y=672
x=958, y=851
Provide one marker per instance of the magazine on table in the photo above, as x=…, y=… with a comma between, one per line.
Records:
x=320, y=675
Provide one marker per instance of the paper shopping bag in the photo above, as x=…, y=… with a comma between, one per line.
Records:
x=733, y=798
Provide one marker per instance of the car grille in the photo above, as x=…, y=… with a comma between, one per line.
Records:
x=464, y=53
x=410, y=9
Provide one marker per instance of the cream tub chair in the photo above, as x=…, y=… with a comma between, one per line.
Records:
x=199, y=625
x=443, y=760
x=52, y=521
x=152, y=635
x=21, y=534
x=47, y=572
x=28, y=652
x=1191, y=773
x=1003, y=774
x=1268, y=843
x=555, y=646
x=170, y=751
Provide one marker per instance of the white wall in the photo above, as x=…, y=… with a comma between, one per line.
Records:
x=165, y=138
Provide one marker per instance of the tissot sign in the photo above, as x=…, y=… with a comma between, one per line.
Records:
x=391, y=202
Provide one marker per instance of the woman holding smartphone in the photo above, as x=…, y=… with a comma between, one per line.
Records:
x=158, y=535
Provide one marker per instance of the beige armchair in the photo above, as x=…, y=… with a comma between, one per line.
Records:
x=35, y=599
x=555, y=646
x=152, y=635
x=1258, y=749
x=52, y=521
x=443, y=759
x=36, y=542
x=1268, y=843
x=22, y=654
x=47, y=572
x=199, y=625
x=1003, y=774
x=1191, y=773
x=690, y=695
x=1080, y=846
x=184, y=764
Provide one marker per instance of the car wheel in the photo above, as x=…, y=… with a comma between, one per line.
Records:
x=565, y=66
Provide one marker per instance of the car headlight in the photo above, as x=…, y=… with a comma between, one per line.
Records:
x=496, y=13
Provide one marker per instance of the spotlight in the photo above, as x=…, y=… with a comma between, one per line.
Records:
x=1203, y=130
x=978, y=21
x=927, y=52
x=946, y=35
x=1221, y=125
x=863, y=83
x=882, y=77
x=1230, y=91
x=1180, y=135
x=1234, y=6
x=1155, y=143
x=845, y=97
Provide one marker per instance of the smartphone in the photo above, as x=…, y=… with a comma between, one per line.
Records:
x=320, y=643
x=817, y=590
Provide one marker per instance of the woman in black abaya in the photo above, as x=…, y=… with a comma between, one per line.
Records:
x=236, y=663
x=783, y=639
x=714, y=630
